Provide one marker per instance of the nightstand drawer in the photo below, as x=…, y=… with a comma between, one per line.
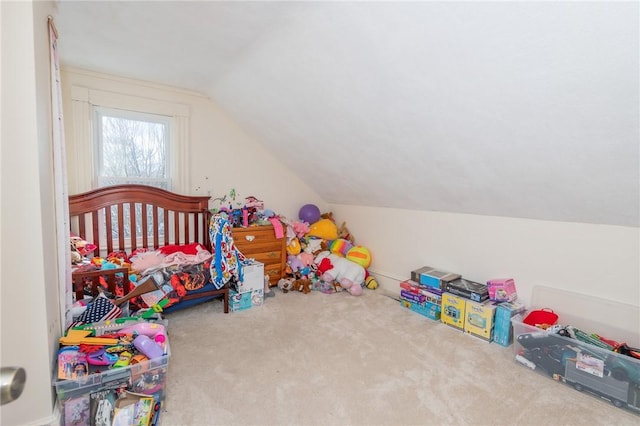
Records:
x=248, y=249
x=254, y=235
x=267, y=257
x=260, y=243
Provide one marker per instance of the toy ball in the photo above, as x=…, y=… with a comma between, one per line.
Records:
x=309, y=213
x=360, y=255
x=371, y=283
x=340, y=246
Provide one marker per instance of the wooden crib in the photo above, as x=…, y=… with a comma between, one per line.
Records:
x=125, y=218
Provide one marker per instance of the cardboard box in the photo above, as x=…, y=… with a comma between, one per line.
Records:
x=432, y=277
x=414, y=297
x=503, y=330
x=432, y=294
x=252, y=277
x=468, y=289
x=429, y=310
x=246, y=300
x=453, y=310
x=502, y=290
x=479, y=319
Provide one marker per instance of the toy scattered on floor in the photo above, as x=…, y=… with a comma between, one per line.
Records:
x=370, y=282
x=309, y=213
x=303, y=285
x=360, y=255
x=340, y=246
x=348, y=274
x=285, y=284
x=267, y=287
x=324, y=229
x=293, y=246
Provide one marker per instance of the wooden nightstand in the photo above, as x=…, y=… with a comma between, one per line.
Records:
x=260, y=243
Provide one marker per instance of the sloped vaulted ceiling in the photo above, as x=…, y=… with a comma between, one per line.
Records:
x=519, y=109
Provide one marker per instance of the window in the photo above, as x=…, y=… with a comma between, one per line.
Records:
x=132, y=147
x=85, y=151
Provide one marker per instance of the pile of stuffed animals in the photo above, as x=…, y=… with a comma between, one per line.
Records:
x=322, y=256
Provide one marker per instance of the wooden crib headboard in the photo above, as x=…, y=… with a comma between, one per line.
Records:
x=107, y=216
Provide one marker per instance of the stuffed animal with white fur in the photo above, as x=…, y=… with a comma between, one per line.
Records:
x=348, y=274
x=285, y=284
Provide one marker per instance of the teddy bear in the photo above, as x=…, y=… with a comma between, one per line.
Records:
x=348, y=274
x=303, y=285
x=285, y=284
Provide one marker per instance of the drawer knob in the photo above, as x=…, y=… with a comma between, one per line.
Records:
x=250, y=237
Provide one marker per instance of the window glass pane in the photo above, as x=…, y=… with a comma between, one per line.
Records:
x=132, y=148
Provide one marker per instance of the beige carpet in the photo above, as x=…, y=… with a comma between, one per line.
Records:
x=319, y=359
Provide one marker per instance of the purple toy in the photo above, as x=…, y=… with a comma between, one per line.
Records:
x=309, y=213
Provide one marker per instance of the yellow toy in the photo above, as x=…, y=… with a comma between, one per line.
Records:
x=360, y=255
x=81, y=337
x=324, y=229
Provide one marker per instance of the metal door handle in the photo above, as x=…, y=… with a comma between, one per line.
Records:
x=12, y=381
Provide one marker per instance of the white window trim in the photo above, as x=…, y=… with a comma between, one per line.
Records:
x=83, y=101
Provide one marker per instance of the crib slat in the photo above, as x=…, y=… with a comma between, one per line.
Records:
x=108, y=228
x=167, y=226
x=176, y=227
x=133, y=230
x=121, y=233
x=145, y=226
x=155, y=227
x=187, y=227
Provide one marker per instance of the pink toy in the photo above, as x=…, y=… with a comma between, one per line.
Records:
x=148, y=329
x=502, y=289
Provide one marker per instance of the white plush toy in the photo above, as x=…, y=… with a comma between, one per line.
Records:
x=348, y=274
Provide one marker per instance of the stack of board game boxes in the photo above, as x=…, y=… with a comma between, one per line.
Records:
x=480, y=310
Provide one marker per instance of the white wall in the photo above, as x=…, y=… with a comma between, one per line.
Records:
x=596, y=260
x=30, y=304
x=221, y=156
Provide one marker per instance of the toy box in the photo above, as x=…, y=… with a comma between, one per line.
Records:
x=432, y=277
x=413, y=297
x=502, y=329
x=502, y=290
x=246, y=300
x=468, y=289
x=252, y=277
x=453, y=310
x=479, y=319
x=429, y=310
x=84, y=399
x=432, y=294
x=582, y=362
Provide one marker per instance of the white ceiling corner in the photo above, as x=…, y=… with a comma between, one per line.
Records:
x=519, y=109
